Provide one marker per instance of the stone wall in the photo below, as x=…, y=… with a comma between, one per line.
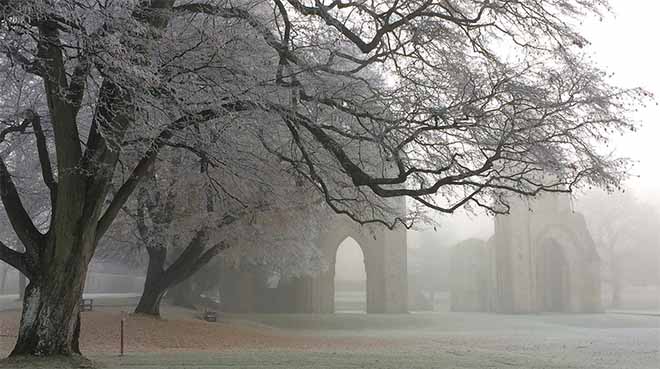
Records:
x=542, y=259
x=385, y=253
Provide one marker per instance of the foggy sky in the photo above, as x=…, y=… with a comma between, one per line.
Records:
x=627, y=44
x=624, y=43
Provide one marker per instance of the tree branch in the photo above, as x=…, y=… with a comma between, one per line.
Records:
x=141, y=170
x=204, y=259
x=20, y=220
x=44, y=158
x=187, y=259
x=61, y=112
x=15, y=259
x=192, y=259
x=26, y=64
x=78, y=83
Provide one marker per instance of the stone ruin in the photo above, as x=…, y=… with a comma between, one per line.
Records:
x=540, y=259
x=246, y=289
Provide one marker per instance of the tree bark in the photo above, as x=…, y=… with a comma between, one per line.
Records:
x=154, y=286
x=22, y=284
x=3, y=284
x=50, y=323
x=56, y=260
x=150, y=301
x=160, y=279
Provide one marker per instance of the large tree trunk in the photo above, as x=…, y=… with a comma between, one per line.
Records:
x=22, y=285
x=50, y=323
x=154, y=284
x=3, y=283
x=150, y=301
x=159, y=279
x=22, y=280
x=56, y=261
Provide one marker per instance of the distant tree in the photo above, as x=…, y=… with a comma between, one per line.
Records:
x=445, y=103
x=20, y=151
x=625, y=229
x=225, y=210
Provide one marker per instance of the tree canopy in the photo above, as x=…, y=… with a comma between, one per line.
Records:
x=446, y=103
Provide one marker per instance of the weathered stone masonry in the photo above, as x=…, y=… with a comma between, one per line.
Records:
x=540, y=259
x=385, y=257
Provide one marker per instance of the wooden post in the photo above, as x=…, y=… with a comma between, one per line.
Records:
x=121, y=334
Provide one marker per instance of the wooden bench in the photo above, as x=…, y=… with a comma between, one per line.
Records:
x=210, y=316
x=86, y=304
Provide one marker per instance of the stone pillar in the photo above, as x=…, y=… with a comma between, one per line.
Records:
x=385, y=254
x=520, y=254
x=385, y=257
x=395, y=271
x=503, y=265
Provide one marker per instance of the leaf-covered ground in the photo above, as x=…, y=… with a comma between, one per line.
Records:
x=430, y=340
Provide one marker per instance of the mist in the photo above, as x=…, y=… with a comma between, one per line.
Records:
x=329, y=184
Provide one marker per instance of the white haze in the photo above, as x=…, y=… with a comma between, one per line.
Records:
x=627, y=45
x=623, y=43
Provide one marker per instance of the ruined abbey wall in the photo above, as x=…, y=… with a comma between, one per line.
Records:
x=542, y=259
x=385, y=257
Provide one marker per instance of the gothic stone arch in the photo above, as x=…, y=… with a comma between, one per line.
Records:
x=539, y=235
x=385, y=253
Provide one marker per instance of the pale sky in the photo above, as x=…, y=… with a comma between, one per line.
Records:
x=627, y=43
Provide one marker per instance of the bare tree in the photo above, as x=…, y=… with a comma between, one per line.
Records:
x=625, y=229
x=222, y=213
x=366, y=100
x=20, y=153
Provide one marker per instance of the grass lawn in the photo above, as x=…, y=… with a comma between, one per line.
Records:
x=277, y=360
x=407, y=341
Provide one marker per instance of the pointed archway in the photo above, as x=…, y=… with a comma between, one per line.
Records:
x=384, y=258
x=350, y=278
x=552, y=277
x=545, y=259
